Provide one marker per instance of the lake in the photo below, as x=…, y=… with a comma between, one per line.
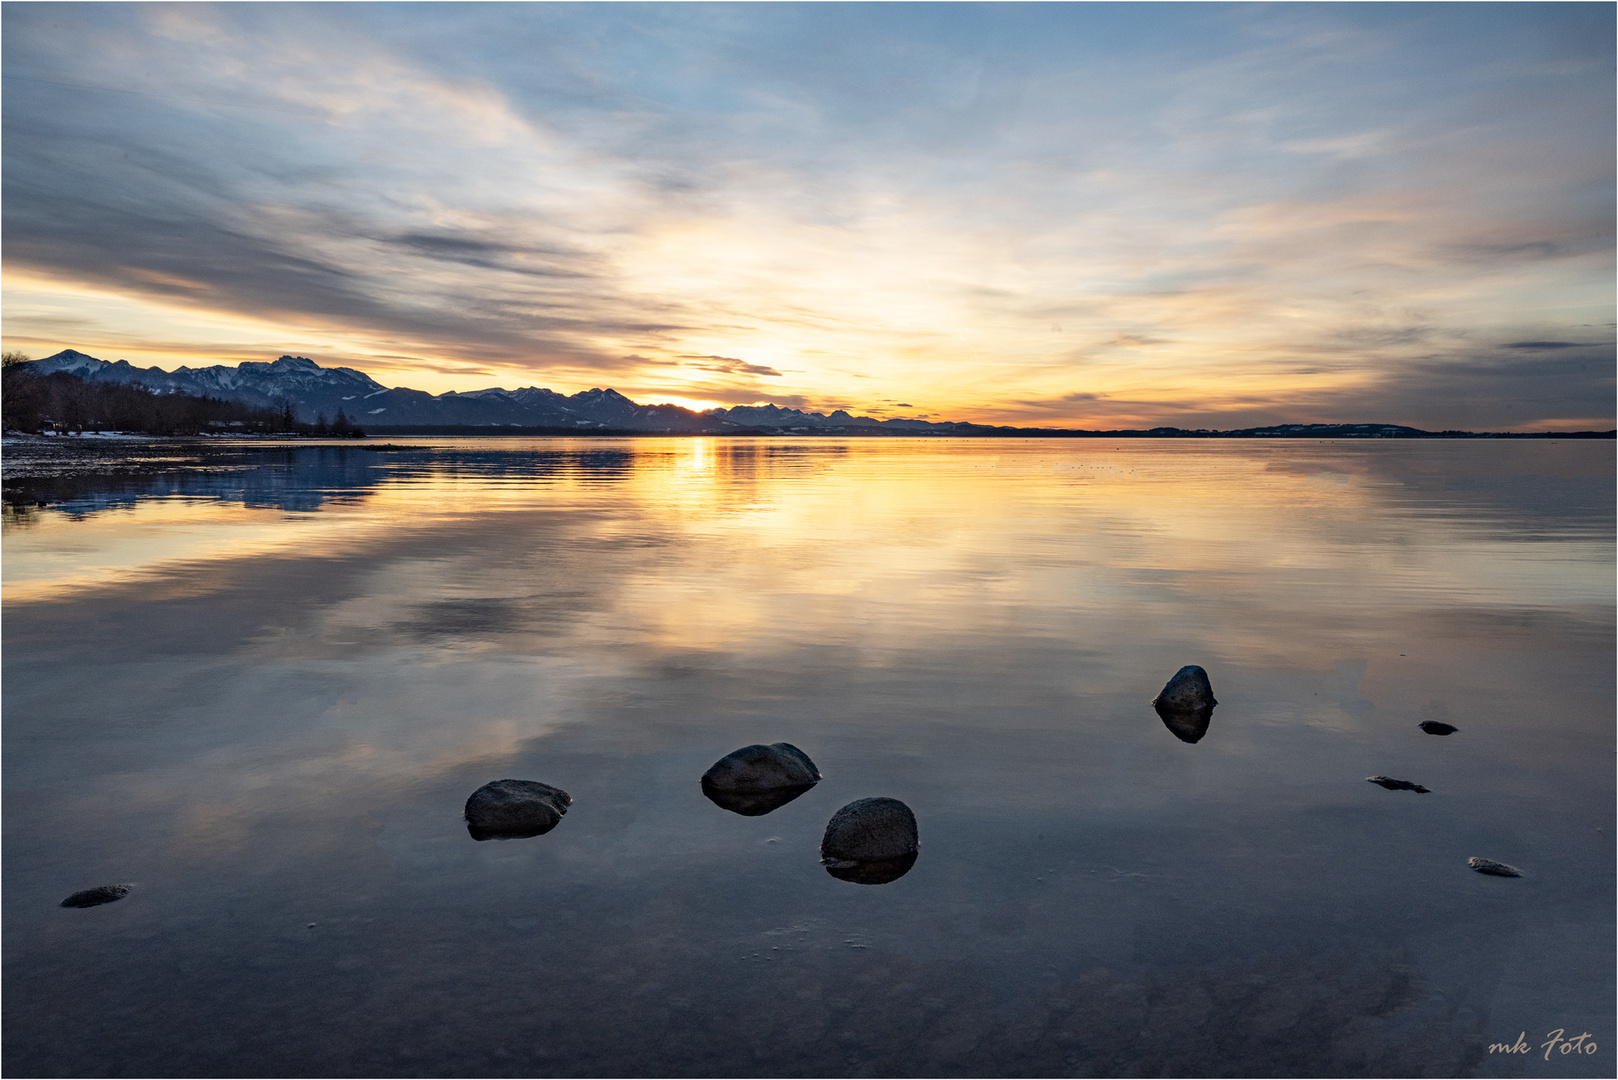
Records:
x=259, y=686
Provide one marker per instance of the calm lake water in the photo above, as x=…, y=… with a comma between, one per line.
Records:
x=261, y=690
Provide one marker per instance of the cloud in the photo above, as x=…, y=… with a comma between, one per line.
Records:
x=1542, y=345
x=729, y=365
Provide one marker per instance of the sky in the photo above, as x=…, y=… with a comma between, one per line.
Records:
x=1089, y=215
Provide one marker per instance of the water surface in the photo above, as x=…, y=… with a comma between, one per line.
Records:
x=261, y=692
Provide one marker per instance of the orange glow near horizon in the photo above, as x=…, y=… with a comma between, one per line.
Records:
x=793, y=514
x=935, y=364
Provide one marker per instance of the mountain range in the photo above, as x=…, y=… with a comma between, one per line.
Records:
x=314, y=391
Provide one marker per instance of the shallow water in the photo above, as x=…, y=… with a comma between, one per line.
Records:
x=261, y=693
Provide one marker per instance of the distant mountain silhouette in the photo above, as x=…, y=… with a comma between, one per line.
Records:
x=313, y=390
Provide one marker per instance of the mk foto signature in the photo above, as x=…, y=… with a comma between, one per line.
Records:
x=1555, y=1041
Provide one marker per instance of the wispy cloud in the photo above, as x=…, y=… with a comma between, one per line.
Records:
x=729, y=365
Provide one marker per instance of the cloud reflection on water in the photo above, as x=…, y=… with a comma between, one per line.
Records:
x=296, y=713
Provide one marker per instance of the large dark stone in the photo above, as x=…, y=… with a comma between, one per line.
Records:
x=757, y=779
x=760, y=768
x=101, y=894
x=869, y=830
x=514, y=809
x=1188, y=691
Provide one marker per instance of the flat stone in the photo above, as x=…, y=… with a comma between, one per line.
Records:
x=1489, y=866
x=1188, y=691
x=515, y=809
x=101, y=894
x=1397, y=785
x=1437, y=727
x=869, y=830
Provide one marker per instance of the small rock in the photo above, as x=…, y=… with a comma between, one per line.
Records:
x=1489, y=866
x=1438, y=727
x=869, y=830
x=1397, y=785
x=101, y=894
x=1188, y=691
x=515, y=809
x=757, y=779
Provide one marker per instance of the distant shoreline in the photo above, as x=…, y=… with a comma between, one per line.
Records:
x=1323, y=431
x=1380, y=432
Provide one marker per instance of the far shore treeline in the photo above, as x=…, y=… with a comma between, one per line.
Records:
x=61, y=402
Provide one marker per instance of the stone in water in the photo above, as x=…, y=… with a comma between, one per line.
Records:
x=868, y=830
x=515, y=809
x=1186, y=704
x=1397, y=785
x=1188, y=691
x=757, y=779
x=1489, y=866
x=1438, y=727
x=101, y=894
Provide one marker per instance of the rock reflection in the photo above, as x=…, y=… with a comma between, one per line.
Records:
x=758, y=779
x=1187, y=725
x=752, y=804
x=872, y=872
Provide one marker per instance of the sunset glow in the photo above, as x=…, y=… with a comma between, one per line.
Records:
x=1088, y=215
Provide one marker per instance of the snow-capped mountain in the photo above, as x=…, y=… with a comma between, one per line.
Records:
x=310, y=388
x=313, y=390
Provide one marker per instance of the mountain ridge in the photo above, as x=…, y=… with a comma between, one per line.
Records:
x=314, y=390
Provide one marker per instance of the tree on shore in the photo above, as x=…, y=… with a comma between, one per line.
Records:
x=60, y=401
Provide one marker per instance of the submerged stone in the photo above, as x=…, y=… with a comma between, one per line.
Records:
x=101, y=894
x=1437, y=727
x=757, y=779
x=1489, y=866
x=1188, y=691
x=869, y=830
x=514, y=809
x=1397, y=785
